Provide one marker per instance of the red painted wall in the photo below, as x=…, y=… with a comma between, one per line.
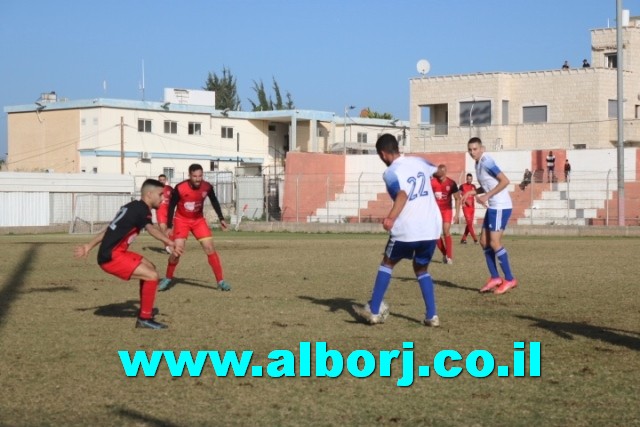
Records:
x=306, y=187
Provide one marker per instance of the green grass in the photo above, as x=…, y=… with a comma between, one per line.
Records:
x=63, y=320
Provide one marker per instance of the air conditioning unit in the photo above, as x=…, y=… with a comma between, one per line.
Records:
x=145, y=155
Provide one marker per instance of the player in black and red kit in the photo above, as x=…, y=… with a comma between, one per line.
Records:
x=446, y=190
x=115, y=258
x=187, y=199
x=468, y=209
x=162, y=212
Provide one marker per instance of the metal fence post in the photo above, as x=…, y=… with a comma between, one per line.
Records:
x=607, y=198
x=359, y=192
x=297, y=198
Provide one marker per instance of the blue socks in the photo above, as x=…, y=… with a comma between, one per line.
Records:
x=490, y=256
x=380, y=288
x=426, y=287
x=503, y=258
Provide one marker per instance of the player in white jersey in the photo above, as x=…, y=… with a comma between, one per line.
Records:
x=414, y=223
x=493, y=190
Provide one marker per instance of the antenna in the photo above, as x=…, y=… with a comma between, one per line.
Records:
x=142, y=84
x=423, y=67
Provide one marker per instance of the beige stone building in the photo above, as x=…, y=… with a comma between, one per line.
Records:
x=551, y=109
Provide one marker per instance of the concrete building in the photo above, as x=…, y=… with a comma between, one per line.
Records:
x=145, y=138
x=572, y=108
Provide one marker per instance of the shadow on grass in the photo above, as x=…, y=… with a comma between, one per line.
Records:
x=178, y=281
x=155, y=249
x=128, y=308
x=52, y=289
x=10, y=289
x=444, y=283
x=567, y=330
x=346, y=304
x=141, y=418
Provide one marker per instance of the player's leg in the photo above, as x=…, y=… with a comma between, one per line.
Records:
x=490, y=256
x=469, y=219
x=202, y=232
x=172, y=264
x=448, y=245
x=501, y=252
x=421, y=260
x=376, y=311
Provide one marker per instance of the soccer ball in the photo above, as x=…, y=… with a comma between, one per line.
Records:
x=382, y=314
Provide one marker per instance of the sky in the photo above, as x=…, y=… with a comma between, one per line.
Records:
x=327, y=54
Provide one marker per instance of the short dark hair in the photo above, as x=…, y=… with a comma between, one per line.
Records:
x=388, y=143
x=475, y=140
x=195, y=167
x=469, y=175
x=162, y=175
x=150, y=183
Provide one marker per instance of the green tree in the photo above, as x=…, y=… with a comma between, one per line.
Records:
x=265, y=102
x=367, y=113
x=225, y=89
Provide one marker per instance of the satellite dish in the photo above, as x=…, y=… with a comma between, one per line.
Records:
x=423, y=66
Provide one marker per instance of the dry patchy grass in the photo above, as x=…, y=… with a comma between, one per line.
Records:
x=62, y=322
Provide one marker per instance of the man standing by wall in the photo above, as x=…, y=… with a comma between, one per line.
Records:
x=468, y=210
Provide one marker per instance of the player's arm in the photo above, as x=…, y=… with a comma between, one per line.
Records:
x=398, y=205
x=157, y=234
x=457, y=199
x=173, y=202
x=216, y=207
x=83, y=250
x=503, y=181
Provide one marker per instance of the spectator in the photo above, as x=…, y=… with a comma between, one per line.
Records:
x=551, y=165
x=585, y=64
x=567, y=170
x=526, y=179
x=565, y=66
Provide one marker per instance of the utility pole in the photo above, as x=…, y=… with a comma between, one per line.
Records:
x=620, y=64
x=121, y=145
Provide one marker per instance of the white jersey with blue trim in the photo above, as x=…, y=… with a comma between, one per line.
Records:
x=487, y=172
x=420, y=219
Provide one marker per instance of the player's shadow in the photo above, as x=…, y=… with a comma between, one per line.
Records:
x=140, y=418
x=444, y=283
x=568, y=330
x=155, y=249
x=180, y=281
x=10, y=289
x=129, y=308
x=51, y=289
x=346, y=304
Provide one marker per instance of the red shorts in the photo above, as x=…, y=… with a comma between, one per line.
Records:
x=447, y=215
x=123, y=264
x=198, y=226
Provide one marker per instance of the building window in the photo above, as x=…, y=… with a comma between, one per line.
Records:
x=195, y=128
x=214, y=165
x=505, y=112
x=170, y=127
x=475, y=113
x=168, y=172
x=611, y=60
x=362, y=137
x=613, y=108
x=144, y=125
x=227, y=132
x=95, y=170
x=535, y=114
x=272, y=128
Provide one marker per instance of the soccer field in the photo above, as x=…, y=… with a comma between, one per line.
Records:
x=63, y=321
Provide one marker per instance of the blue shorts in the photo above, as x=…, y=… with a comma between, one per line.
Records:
x=496, y=219
x=421, y=251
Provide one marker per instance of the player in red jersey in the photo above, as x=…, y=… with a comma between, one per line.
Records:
x=446, y=190
x=115, y=258
x=187, y=199
x=468, y=209
x=163, y=210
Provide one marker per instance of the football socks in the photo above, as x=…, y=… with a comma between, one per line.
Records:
x=383, y=278
x=503, y=258
x=426, y=287
x=490, y=256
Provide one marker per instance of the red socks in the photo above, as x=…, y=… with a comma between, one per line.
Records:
x=216, y=266
x=170, y=269
x=147, y=298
